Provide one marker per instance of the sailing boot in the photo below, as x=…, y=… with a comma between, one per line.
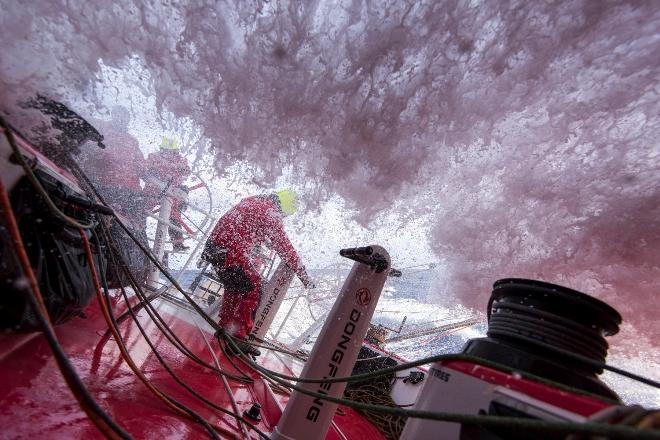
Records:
x=243, y=345
x=248, y=348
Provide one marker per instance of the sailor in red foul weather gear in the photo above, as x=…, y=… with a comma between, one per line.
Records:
x=254, y=221
x=166, y=170
x=117, y=170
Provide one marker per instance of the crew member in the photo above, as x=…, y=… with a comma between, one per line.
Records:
x=117, y=169
x=254, y=221
x=116, y=172
x=166, y=170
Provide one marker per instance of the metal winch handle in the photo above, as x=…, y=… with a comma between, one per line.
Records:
x=351, y=253
x=366, y=255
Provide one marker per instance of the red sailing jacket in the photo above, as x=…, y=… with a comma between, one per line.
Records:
x=255, y=220
x=120, y=165
x=168, y=167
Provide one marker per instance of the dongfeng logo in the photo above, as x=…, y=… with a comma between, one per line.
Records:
x=363, y=296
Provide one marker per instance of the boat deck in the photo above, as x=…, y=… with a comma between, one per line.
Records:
x=35, y=401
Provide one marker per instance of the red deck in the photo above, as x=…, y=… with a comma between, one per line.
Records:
x=35, y=401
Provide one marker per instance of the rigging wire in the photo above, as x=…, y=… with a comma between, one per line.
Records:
x=106, y=307
x=267, y=345
x=192, y=223
x=114, y=328
x=167, y=331
x=440, y=357
x=486, y=421
x=146, y=303
x=225, y=383
x=167, y=367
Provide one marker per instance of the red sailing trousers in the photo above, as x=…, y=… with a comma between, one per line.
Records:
x=238, y=309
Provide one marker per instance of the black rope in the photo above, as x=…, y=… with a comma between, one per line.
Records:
x=139, y=306
x=157, y=318
x=215, y=326
x=229, y=358
x=77, y=386
x=459, y=418
x=582, y=359
x=119, y=340
x=162, y=361
x=487, y=421
x=555, y=334
x=506, y=318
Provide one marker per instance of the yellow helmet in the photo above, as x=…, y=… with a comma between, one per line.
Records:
x=288, y=199
x=169, y=144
